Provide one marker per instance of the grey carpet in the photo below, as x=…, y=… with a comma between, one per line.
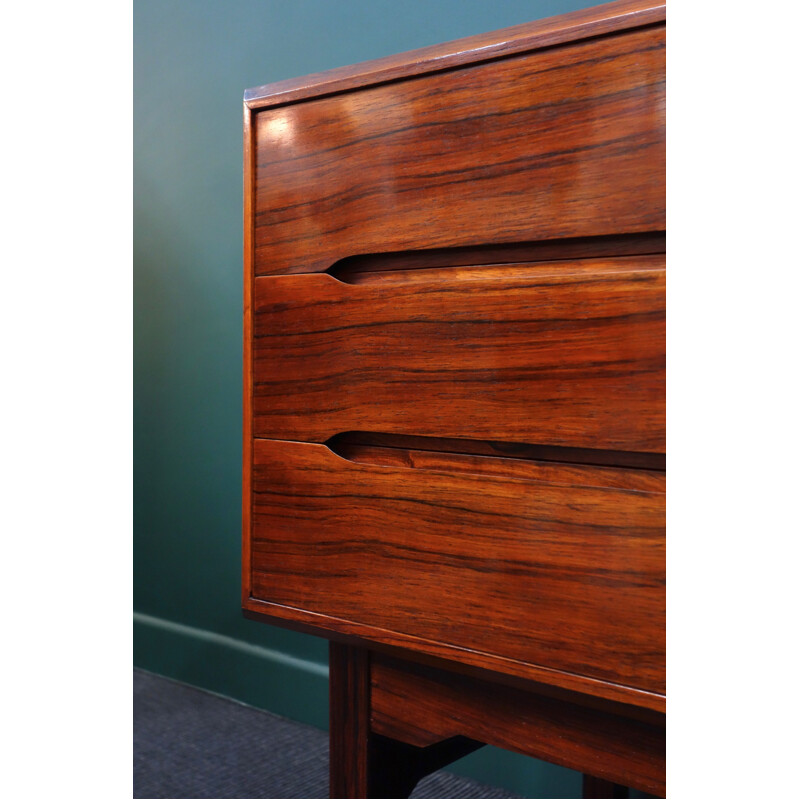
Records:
x=188, y=743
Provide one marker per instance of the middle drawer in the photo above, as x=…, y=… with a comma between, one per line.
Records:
x=566, y=353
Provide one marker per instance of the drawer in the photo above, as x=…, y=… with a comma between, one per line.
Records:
x=562, y=353
x=548, y=572
x=559, y=143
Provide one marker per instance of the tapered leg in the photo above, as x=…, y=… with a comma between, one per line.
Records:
x=364, y=764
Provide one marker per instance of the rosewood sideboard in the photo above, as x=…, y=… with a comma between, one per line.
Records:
x=454, y=396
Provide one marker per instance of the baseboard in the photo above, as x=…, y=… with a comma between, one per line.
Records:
x=258, y=676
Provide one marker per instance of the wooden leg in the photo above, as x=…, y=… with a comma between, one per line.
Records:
x=349, y=720
x=598, y=788
x=364, y=764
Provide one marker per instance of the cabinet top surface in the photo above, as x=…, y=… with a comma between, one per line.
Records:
x=582, y=24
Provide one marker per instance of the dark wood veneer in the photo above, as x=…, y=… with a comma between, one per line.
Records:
x=420, y=705
x=454, y=418
x=559, y=143
x=565, y=353
x=369, y=764
x=559, y=569
x=350, y=719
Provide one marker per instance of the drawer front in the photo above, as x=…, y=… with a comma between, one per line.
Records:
x=565, y=142
x=516, y=565
x=562, y=353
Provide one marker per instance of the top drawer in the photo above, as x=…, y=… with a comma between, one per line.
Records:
x=565, y=142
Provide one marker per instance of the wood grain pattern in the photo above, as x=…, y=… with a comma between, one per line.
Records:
x=564, y=574
x=561, y=353
x=584, y=23
x=454, y=277
x=349, y=670
x=420, y=705
x=566, y=142
x=364, y=763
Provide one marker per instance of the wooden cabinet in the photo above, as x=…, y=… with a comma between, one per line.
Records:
x=454, y=427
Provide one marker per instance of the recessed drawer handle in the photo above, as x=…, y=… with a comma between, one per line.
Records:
x=362, y=268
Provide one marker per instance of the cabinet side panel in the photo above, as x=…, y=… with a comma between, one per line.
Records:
x=247, y=348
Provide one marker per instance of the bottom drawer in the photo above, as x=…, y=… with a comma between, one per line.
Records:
x=550, y=572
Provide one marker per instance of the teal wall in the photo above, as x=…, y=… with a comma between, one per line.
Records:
x=192, y=61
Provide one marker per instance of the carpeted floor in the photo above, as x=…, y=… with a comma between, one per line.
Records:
x=191, y=744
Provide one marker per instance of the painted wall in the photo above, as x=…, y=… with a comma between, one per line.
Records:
x=192, y=61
